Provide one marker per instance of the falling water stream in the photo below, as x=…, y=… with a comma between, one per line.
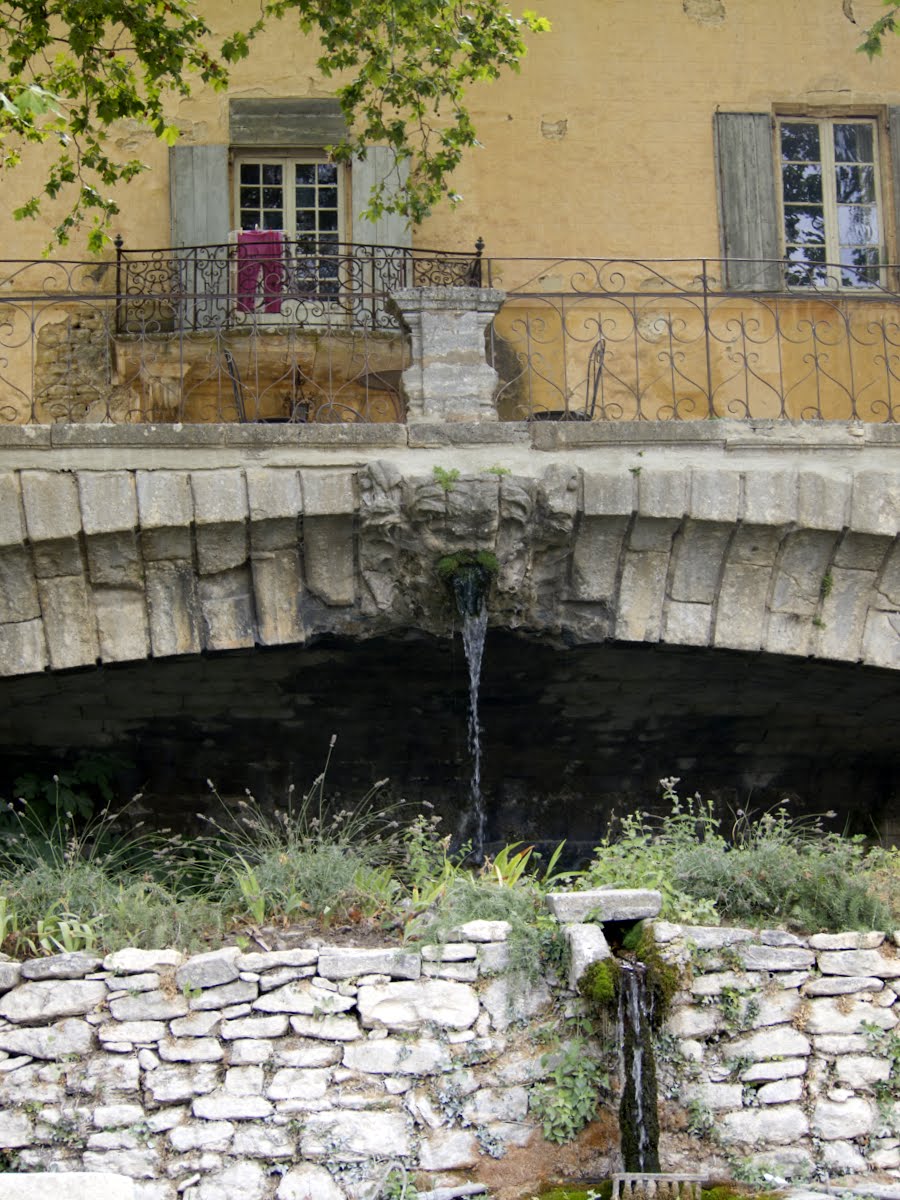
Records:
x=638, y=1117
x=469, y=588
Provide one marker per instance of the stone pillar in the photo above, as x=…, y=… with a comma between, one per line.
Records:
x=449, y=379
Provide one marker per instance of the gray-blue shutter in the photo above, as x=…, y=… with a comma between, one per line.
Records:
x=381, y=271
x=200, y=201
x=748, y=202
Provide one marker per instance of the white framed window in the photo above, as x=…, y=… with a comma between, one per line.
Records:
x=304, y=199
x=831, y=204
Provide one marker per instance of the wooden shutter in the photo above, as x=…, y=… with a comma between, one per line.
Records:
x=200, y=200
x=286, y=123
x=748, y=202
x=391, y=229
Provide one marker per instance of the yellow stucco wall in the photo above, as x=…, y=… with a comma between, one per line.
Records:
x=601, y=146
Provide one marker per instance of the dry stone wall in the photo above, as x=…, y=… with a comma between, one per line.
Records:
x=309, y=1073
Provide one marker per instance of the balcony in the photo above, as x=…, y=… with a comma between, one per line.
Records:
x=206, y=334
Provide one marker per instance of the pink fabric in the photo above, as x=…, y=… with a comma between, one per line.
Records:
x=260, y=250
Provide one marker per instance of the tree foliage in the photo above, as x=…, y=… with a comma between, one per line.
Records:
x=71, y=69
x=889, y=22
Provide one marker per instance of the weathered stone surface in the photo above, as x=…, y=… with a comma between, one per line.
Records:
x=343, y=1136
x=861, y=1070
x=10, y=975
x=715, y=982
x=304, y=998
x=79, y=1185
x=133, y=962
x=228, y=1106
x=338, y=962
x=16, y=1129
x=586, y=945
x=846, y=941
x=60, y=966
x=132, y=1031
x=778, y=1125
x=776, y=958
x=449, y=952
x=449, y=1150
x=224, y=996
x=842, y=985
x=51, y=1042
x=338, y=1029
x=694, y=1022
x=859, y=962
x=481, y=931
x=195, y=1024
x=780, y=1041
x=507, y=1003
x=201, y=1135
x=780, y=1091
x=270, y=959
x=243, y=1181
x=255, y=1027
x=169, y=1084
x=715, y=1095
x=785, y=1068
x=209, y=970
x=148, y=1006
x=388, y=1056
x=290, y=1053
x=308, y=1182
x=839, y=1016
x=34, y=1003
x=408, y=1006
x=854, y=1117
x=292, y=1083
x=612, y=904
x=190, y=1049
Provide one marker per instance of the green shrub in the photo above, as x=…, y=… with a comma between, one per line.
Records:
x=768, y=868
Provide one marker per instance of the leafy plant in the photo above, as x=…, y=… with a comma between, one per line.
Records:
x=445, y=477
x=569, y=1101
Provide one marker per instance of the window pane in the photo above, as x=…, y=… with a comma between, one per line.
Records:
x=858, y=225
x=855, y=185
x=273, y=220
x=306, y=220
x=328, y=220
x=305, y=197
x=804, y=223
x=328, y=197
x=272, y=197
x=250, y=197
x=249, y=172
x=802, y=269
x=327, y=173
x=854, y=143
x=800, y=142
x=271, y=173
x=859, y=268
x=249, y=220
x=802, y=182
x=306, y=173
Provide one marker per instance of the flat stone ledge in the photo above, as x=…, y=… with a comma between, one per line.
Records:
x=153, y=436
x=606, y=904
x=357, y=434
x=37, y=436
x=425, y=435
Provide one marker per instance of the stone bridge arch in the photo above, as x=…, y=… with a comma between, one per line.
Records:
x=120, y=547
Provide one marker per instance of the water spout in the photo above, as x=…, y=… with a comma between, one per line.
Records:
x=638, y=1117
x=469, y=573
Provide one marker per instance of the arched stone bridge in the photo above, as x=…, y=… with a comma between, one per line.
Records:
x=119, y=544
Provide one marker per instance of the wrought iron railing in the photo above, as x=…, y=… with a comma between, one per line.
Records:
x=307, y=280
x=613, y=339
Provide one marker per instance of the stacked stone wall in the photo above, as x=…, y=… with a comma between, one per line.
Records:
x=313, y=1072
